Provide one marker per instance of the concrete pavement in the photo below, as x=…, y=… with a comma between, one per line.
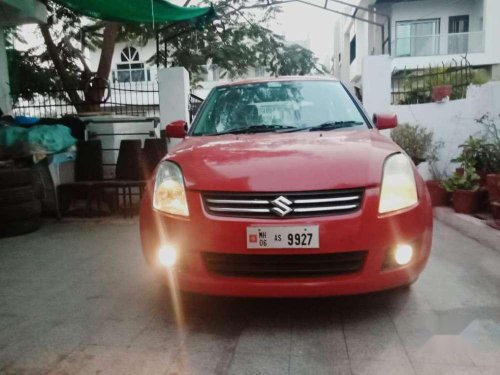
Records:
x=77, y=298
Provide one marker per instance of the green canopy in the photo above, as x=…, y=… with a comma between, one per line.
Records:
x=136, y=11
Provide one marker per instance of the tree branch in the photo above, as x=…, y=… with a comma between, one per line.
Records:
x=59, y=65
x=256, y=6
x=78, y=54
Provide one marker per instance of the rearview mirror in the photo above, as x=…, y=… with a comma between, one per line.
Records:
x=385, y=121
x=176, y=129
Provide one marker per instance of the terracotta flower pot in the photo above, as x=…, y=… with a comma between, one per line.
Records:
x=482, y=179
x=493, y=186
x=466, y=201
x=439, y=196
x=441, y=92
x=495, y=210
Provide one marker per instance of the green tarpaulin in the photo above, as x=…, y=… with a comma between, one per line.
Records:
x=136, y=11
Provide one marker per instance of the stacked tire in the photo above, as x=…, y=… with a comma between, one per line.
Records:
x=20, y=210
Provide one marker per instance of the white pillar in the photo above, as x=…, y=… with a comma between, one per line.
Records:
x=5, y=100
x=376, y=83
x=173, y=84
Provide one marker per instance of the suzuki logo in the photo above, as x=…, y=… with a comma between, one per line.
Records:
x=282, y=206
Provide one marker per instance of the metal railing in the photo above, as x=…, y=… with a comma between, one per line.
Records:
x=415, y=86
x=440, y=44
x=128, y=99
x=194, y=104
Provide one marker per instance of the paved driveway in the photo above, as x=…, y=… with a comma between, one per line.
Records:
x=77, y=298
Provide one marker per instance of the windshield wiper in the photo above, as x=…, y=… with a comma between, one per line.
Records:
x=255, y=129
x=330, y=125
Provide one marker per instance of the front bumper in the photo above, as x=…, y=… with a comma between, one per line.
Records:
x=363, y=230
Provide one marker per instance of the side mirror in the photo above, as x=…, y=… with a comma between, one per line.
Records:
x=385, y=121
x=177, y=129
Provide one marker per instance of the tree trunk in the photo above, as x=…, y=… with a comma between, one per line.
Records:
x=60, y=68
x=95, y=94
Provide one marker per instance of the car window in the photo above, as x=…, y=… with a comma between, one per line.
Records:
x=297, y=104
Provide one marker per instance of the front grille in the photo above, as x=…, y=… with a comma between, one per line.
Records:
x=283, y=205
x=280, y=266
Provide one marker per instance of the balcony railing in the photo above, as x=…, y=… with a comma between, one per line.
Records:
x=440, y=44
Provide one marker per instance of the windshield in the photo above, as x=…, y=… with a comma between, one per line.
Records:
x=278, y=107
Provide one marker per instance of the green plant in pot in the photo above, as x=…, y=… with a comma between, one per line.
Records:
x=465, y=190
x=439, y=195
x=492, y=135
x=419, y=144
x=480, y=153
x=415, y=140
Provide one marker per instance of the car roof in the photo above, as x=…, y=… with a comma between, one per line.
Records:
x=279, y=79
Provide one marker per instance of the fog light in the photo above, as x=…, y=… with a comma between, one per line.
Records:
x=167, y=255
x=403, y=254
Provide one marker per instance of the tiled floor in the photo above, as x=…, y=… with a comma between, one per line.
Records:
x=77, y=298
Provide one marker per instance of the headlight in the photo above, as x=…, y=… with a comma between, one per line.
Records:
x=398, y=185
x=169, y=194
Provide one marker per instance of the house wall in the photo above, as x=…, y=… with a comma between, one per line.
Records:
x=145, y=53
x=452, y=122
x=442, y=10
x=483, y=16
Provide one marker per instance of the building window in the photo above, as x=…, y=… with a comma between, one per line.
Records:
x=131, y=69
x=417, y=38
x=352, y=49
x=458, y=34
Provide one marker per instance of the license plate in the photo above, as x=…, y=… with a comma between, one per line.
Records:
x=297, y=237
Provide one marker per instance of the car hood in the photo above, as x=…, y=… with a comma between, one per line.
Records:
x=272, y=162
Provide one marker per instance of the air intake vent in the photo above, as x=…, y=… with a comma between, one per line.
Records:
x=281, y=266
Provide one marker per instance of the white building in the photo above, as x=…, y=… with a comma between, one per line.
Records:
x=130, y=65
x=14, y=13
x=418, y=33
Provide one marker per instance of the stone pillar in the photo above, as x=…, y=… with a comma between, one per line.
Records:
x=174, y=89
x=5, y=100
x=376, y=83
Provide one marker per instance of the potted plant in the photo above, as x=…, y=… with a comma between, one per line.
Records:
x=465, y=190
x=439, y=195
x=441, y=92
x=492, y=135
x=415, y=140
x=419, y=144
x=480, y=153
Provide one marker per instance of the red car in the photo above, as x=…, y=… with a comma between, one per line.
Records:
x=285, y=187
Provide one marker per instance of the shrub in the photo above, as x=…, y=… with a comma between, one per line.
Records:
x=417, y=142
x=479, y=153
x=418, y=85
x=492, y=137
x=468, y=180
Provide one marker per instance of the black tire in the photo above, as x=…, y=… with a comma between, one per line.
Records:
x=20, y=211
x=19, y=227
x=16, y=195
x=13, y=177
